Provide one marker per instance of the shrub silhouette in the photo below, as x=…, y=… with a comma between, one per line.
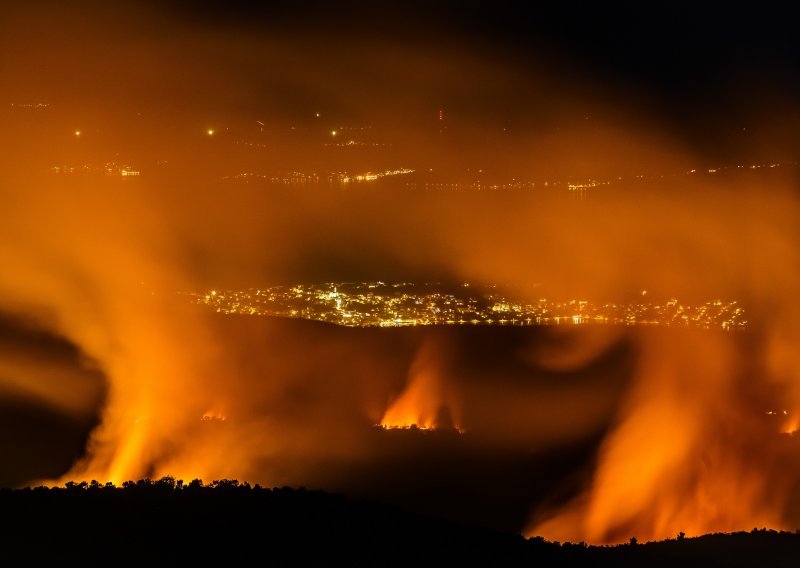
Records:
x=227, y=522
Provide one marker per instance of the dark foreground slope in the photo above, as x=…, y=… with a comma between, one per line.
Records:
x=164, y=522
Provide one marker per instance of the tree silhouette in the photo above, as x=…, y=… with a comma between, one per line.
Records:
x=228, y=522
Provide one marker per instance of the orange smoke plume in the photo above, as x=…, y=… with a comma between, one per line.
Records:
x=428, y=401
x=675, y=461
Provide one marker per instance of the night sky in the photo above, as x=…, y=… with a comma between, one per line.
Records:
x=719, y=79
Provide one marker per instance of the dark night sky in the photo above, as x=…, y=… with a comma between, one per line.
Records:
x=679, y=49
x=710, y=73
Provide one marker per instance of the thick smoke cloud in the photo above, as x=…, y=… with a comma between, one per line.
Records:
x=100, y=262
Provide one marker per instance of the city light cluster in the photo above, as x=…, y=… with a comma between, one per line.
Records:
x=313, y=178
x=111, y=169
x=378, y=304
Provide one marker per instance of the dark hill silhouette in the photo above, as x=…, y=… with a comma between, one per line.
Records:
x=169, y=522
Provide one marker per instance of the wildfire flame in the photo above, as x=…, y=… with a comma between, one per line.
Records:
x=428, y=402
x=791, y=425
x=673, y=463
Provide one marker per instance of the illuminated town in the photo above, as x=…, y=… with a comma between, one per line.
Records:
x=110, y=169
x=380, y=304
x=302, y=178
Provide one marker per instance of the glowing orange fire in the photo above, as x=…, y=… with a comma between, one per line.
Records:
x=427, y=402
x=674, y=461
x=791, y=425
